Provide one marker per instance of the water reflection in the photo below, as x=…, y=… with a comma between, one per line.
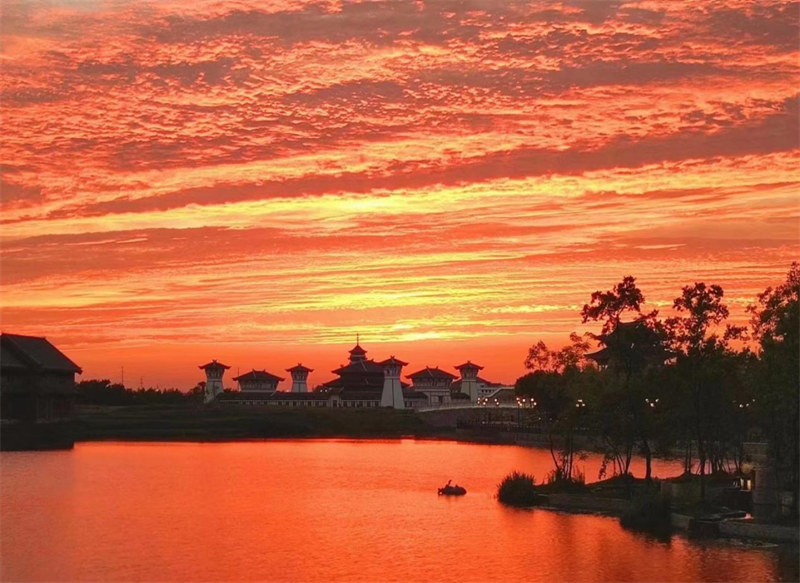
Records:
x=322, y=511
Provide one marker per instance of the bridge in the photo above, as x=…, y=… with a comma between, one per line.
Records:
x=500, y=416
x=476, y=406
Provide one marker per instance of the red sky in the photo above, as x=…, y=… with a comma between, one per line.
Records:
x=259, y=181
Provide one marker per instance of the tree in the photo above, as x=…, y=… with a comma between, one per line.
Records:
x=103, y=392
x=705, y=366
x=571, y=356
x=630, y=350
x=703, y=308
x=548, y=389
x=775, y=323
x=197, y=392
x=557, y=377
x=609, y=306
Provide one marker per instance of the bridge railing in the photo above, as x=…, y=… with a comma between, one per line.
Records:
x=470, y=405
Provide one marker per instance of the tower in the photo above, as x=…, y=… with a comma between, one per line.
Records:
x=214, y=371
x=469, y=379
x=392, y=395
x=299, y=378
x=357, y=353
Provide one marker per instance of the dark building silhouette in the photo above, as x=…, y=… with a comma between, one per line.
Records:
x=37, y=381
x=360, y=383
x=435, y=383
x=630, y=344
x=258, y=381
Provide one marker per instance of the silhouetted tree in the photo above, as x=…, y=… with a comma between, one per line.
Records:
x=705, y=368
x=104, y=392
x=630, y=350
x=549, y=390
x=557, y=377
x=776, y=326
x=609, y=306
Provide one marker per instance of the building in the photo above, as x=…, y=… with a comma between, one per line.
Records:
x=277, y=398
x=358, y=374
x=469, y=379
x=214, y=371
x=630, y=344
x=435, y=383
x=258, y=380
x=37, y=380
x=392, y=393
x=485, y=388
x=502, y=395
x=299, y=377
x=362, y=383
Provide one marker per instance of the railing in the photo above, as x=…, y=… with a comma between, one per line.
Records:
x=470, y=405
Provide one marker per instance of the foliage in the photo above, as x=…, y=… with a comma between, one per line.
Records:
x=634, y=353
x=104, y=392
x=548, y=390
x=517, y=489
x=609, y=306
x=776, y=375
x=691, y=380
x=563, y=481
x=571, y=357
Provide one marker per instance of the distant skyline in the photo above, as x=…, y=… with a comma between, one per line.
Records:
x=258, y=182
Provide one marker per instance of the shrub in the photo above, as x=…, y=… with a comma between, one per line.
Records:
x=517, y=489
x=650, y=512
x=561, y=483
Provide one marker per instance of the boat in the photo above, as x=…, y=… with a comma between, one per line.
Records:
x=449, y=490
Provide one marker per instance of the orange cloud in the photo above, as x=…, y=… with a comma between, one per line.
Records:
x=266, y=179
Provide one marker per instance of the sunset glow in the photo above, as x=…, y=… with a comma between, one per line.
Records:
x=258, y=182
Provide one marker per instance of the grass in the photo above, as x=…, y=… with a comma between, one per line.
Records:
x=576, y=484
x=190, y=423
x=517, y=489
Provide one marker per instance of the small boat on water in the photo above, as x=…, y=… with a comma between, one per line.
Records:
x=449, y=490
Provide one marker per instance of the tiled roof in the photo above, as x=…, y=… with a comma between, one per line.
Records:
x=34, y=352
x=481, y=381
x=258, y=375
x=360, y=366
x=600, y=356
x=469, y=364
x=358, y=350
x=213, y=364
x=299, y=367
x=433, y=373
x=393, y=361
x=8, y=359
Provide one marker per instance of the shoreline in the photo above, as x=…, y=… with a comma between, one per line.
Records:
x=193, y=425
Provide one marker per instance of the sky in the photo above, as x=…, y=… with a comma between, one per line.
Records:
x=258, y=182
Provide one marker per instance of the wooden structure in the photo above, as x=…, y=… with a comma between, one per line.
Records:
x=37, y=380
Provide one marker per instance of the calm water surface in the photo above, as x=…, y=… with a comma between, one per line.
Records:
x=322, y=511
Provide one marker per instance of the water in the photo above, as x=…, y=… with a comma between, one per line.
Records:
x=322, y=511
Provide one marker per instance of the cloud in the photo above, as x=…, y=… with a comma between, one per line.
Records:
x=289, y=171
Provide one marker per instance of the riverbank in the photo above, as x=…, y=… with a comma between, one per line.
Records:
x=225, y=423
x=713, y=520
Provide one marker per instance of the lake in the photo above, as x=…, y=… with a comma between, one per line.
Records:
x=324, y=510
